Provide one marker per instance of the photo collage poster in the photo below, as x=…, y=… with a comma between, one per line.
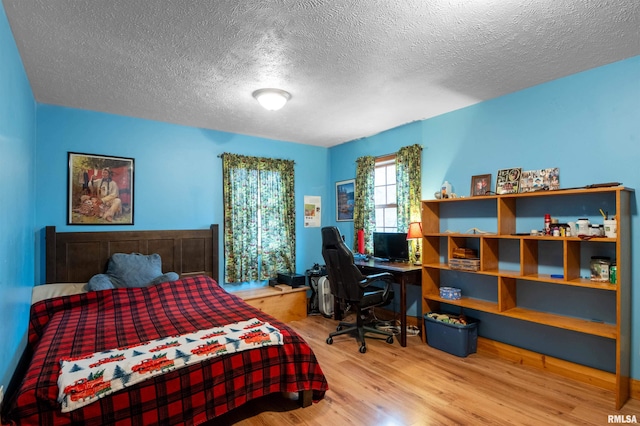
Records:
x=536, y=180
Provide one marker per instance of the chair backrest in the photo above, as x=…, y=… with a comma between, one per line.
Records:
x=344, y=275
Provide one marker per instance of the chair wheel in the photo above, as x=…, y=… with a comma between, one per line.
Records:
x=338, y=328
x=363, y=349
x=390, y=339
x=329, y=340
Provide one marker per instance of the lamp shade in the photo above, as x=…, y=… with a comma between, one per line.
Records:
x=415, y=230
x=272, y=99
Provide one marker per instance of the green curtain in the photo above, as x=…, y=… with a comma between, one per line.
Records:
x=409, y=189
x=364, y=212
x=259, y=217
x=277, y=217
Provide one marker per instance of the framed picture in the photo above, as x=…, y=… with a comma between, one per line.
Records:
x=345, y=197
x=480, y=185
x=538, y=180
x=508, y=181
x=100, y=190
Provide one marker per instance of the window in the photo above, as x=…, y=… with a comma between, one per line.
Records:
x=388, y=192
x=386, y=201
x=259, y=222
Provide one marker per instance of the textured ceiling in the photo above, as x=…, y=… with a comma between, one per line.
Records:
x=354, y=67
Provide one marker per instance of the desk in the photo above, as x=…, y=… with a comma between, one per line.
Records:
x=404, y=273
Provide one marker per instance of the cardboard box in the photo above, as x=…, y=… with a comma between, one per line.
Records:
x=465, y=264
x=464, y=253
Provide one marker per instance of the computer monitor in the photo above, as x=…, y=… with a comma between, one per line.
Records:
x=391, y=246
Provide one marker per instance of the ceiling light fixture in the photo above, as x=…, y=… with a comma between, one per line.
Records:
x=271, y=99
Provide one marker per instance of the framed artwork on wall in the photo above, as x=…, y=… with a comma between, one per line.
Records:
x=100, y=190
x=345, y=198
x=480, y=185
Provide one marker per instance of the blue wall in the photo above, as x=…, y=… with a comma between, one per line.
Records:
x=17, y=158
x=585, y=124
x=178, y=175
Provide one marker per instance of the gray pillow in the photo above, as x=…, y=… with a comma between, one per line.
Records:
x=164, y=278
x=134, y=270
x=100, y=282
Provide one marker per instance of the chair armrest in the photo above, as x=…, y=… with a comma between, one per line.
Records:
x=383, y=276
x=386, y=277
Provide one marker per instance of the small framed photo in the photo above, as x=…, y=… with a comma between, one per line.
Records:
x=345, y=198
x=480, y=185
x=100, y=190
x=508, y=181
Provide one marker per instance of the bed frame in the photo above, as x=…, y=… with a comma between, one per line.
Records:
x=73, y=257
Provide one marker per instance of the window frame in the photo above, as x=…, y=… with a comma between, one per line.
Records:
x=383, y=162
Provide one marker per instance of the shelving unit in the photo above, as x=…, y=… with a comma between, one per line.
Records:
x=509, y=219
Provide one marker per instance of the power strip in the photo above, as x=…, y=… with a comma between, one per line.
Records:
x=412, y=330
x=390, y=328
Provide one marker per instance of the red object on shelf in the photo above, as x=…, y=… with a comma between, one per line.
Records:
x=361, y=241
x=547, y=224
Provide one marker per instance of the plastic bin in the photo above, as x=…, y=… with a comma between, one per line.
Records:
x=456, y=339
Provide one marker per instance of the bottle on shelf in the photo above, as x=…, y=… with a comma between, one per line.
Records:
x=547, y=224
x=583, y=226
x=445, y=190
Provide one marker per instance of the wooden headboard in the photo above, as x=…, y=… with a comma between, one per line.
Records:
x=77, y=256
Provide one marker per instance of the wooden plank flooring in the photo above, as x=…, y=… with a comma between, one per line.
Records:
x=419, y=385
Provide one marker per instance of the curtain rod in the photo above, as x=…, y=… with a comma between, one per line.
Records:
x=269, y=158
x=385, y=155
x=396, y=153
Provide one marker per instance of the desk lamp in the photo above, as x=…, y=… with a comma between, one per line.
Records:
x=415, y=233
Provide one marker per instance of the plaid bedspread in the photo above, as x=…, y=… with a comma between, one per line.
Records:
x=82, y=324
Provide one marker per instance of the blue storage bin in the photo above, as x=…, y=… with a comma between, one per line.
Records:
x=456, y=339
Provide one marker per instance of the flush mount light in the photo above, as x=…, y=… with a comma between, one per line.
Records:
x=271, y=99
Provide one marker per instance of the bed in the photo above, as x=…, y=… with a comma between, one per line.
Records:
x=75, y=326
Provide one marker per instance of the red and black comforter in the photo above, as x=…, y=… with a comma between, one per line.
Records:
x=73, y=326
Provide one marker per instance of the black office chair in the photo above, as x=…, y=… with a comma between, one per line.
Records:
x=349, y=286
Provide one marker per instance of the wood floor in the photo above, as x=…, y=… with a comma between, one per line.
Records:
x=418, y=385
